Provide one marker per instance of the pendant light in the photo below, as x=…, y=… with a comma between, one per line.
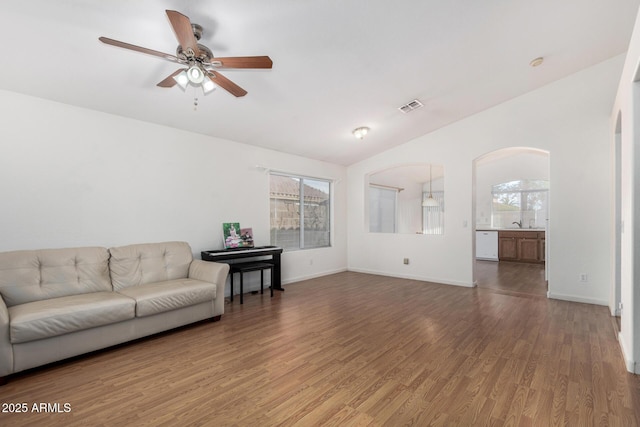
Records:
x=430, y=202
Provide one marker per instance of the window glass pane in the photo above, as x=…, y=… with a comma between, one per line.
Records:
x=534, y=214
x=285, y=211
x=316, y=213
x=506, y=209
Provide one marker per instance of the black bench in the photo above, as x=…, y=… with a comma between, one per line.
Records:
x=245, y=267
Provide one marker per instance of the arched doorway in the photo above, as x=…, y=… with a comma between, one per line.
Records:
x=511, y=211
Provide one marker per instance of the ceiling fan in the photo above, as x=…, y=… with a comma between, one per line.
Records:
x=200, y=63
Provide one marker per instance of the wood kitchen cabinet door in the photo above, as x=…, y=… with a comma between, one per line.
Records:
x=529, y=249
x=507, y=248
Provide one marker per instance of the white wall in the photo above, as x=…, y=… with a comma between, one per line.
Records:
x=75, y=177
x=568, y=118
x=627, y=108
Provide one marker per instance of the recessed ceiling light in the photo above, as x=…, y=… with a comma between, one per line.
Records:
x=538, y=61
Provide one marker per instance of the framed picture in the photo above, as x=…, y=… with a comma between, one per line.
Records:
x=231, y=234
x=246, y=235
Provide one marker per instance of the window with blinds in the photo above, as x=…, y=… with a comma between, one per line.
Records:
x=382, y=209
x=433, y=216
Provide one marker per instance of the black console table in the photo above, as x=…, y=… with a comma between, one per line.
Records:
x=238, y=254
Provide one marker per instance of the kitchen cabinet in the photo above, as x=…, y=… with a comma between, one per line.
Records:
x=507, y=247
x=521, y=245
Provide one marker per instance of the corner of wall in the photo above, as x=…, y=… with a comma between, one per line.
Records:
x=631, y=365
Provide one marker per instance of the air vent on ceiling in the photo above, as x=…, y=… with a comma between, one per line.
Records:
x=410, y=106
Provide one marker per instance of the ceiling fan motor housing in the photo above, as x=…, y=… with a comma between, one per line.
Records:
x=205, y=54
x=197, y=30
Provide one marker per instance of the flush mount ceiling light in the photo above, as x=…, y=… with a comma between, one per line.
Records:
x=361, y=132
x=536, y=62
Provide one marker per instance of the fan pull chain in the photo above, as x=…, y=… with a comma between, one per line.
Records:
x=195, y=100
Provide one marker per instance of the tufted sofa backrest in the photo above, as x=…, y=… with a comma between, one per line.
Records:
x=33, y=275
x=140, y=264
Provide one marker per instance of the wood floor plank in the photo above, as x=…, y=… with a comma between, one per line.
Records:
x=354, y=349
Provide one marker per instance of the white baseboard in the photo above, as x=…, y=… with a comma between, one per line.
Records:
x=311, y=276
x=413, y=277
x=575, y=298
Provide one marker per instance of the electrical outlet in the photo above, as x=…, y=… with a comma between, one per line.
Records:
x=584, y=277
x=406, y=261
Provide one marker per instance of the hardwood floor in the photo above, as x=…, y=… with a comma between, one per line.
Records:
x=513, y=277
x=354, y=349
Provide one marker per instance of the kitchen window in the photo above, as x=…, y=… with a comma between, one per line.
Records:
x=520, y=204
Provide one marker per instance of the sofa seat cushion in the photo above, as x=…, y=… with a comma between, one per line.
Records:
x=159, y=297
x=58, y=316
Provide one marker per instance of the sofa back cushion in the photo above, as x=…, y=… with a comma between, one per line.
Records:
x=34, y=275
x=135, y=265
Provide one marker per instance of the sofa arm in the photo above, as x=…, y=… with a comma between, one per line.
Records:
x=212, y=272
x=6, y=349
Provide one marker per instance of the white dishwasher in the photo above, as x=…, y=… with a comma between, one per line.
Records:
x=487, y=245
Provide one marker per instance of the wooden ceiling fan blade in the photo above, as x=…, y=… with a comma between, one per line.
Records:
x=226, y=84
x=130, y=46
x=184, y=33
x=170, y=81
x=243, y=62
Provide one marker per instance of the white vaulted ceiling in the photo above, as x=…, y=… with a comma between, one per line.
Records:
x=338, y=65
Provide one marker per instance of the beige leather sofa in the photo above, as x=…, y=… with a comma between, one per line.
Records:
x=59, y=303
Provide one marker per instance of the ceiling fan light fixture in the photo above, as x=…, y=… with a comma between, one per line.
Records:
x=195, y=75
x=182, y=79
x=208, y=85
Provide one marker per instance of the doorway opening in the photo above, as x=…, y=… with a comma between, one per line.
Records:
x=516, y=261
